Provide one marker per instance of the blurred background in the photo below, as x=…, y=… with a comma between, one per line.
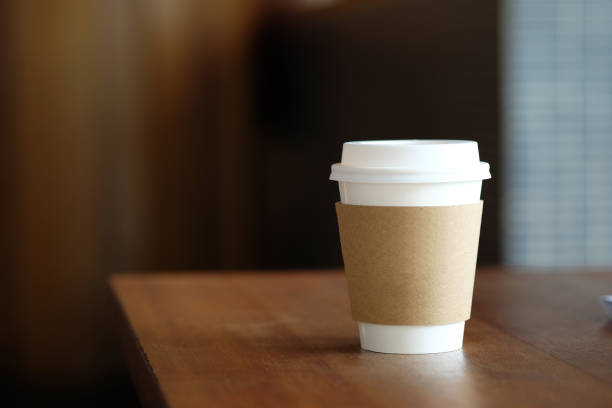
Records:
x=183, y=134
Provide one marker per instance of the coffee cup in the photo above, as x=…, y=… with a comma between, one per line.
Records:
x=440, y=180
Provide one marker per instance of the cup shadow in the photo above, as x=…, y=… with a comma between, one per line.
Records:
x=322, y=345
x=607, y=327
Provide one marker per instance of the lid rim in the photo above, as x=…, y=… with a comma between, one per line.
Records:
x=390, y=175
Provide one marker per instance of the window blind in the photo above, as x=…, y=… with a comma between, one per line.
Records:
x=557, y=147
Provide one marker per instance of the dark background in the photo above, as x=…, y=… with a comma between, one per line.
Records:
x=172, y=135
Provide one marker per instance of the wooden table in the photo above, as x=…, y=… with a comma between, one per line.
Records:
x=287, y=339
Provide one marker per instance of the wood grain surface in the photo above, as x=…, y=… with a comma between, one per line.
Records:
x=287, y=339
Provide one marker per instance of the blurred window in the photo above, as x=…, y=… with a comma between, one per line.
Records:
x=557, y=144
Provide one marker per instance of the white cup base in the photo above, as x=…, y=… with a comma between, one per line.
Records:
x=411, y=339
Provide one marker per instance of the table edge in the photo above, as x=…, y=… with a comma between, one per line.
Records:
x=142, y=374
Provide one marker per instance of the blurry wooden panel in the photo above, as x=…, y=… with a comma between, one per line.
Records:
x=65, y=147
x=197, y=136
x=54, y=190
x=8, y=341
x=125, y=119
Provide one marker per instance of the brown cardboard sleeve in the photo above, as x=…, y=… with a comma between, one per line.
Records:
x=410, y=265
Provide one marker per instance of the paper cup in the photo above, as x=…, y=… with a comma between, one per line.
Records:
x=410, y=173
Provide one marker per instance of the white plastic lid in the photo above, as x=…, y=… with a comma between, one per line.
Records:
x=410, y=161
